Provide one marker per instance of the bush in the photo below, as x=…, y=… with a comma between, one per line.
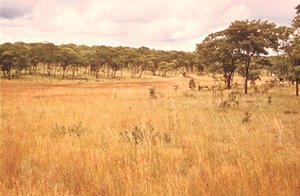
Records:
x=188, y=95
x=246, y=117
x=231, y=100
x=290, y=112
x=139, y=136
x=269, y=99
x=192, y=84
x=73, y=130
x=152, y=92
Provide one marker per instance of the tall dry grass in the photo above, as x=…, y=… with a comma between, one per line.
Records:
x=69, y=140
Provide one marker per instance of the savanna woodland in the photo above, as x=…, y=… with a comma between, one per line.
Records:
x=101, y=120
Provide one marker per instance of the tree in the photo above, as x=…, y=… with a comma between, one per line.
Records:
x=141, y=60
x=166, y=67
x=251, y=39
x=66, y=57
x=33, y=58
x=156, y=58
x=283, y=61
x=117, y=60
x=257, y=65
x=296, y=20
x=296, y=49
x=13, y=57
x=99, y=58
x=296, y=76
x=219, y=55
x=7, y=63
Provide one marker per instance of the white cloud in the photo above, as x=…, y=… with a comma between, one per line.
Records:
x=162, y=24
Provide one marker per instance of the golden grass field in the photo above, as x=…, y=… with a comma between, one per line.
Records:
x=110, y=138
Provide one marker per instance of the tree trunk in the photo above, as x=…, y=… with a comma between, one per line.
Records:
x=164, y=73
x=153, y=72
x=34, y=70
x=141, y=73
x=64, y=73
x=29, y=69
x=97, y=74
x=297, y=87
x=49, y=66
x=86, y=71
x=246, y=81
x=18, y=73
x=73, y=73
x=45, y=69
x=192, y=68
x=133, y=74
x=228, y=81
x=247, y=74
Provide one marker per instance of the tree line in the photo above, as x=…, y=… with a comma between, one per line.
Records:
x=98, y=61
x=242, y=48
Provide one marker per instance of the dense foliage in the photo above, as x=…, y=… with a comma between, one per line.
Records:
x=245, y=46
x=24, y=58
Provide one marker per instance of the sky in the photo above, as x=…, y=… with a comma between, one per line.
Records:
x=159, y=24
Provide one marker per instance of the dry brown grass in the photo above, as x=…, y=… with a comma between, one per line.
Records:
x=199, y=148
